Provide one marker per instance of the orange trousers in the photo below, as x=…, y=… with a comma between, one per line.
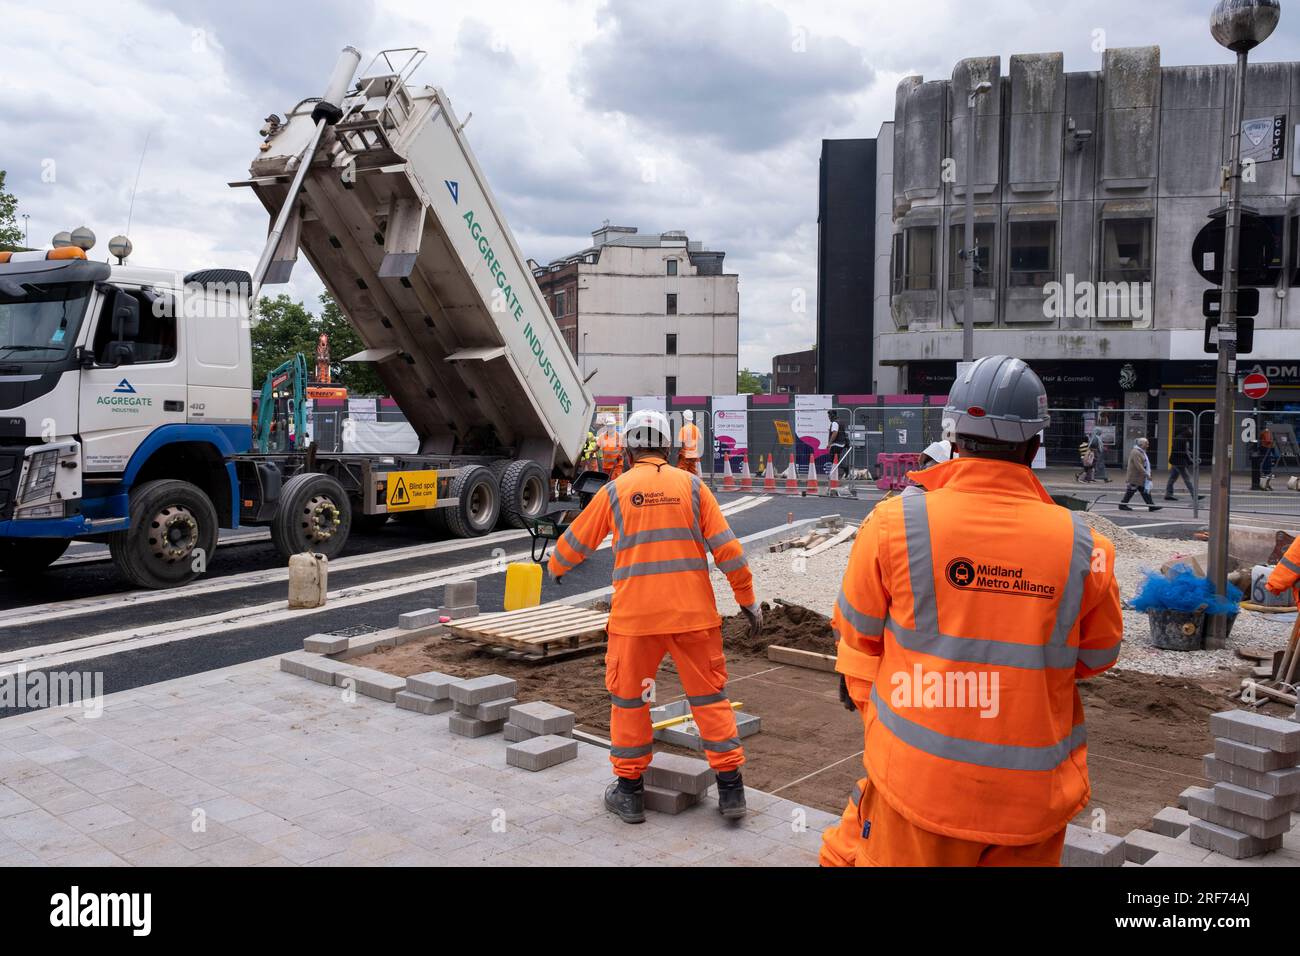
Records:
x=631, y=663
x=873, y=833
x=612, y=467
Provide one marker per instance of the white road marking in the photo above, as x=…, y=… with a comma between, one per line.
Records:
x=99, y=553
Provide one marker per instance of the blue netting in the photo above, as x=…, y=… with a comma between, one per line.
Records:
x=1183, y=590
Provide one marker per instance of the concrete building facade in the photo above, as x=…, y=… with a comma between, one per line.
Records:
x=1090, y=190
x=647, y=314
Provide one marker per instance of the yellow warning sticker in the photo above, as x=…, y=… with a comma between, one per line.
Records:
x=412, y=490
x=784, y=434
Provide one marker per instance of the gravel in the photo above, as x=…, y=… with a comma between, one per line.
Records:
x=815, y=583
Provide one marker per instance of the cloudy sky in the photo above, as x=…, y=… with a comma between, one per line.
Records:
x=703, y=115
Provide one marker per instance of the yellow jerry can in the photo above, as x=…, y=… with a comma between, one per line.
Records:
x=523, y=585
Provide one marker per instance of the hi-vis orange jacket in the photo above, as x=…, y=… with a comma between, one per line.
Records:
x=1287, y=572
x=665, y=523
x=689, y=438
x=972, y=610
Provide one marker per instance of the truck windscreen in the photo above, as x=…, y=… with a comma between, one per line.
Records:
x=39, y=322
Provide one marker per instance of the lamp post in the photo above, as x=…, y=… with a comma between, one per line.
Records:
x=968, y=243
x=1239, y=25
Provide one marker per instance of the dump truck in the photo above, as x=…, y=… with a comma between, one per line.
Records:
x=125, y=392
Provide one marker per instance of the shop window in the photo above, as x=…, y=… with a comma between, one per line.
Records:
x=1031, y=254
x=983, y=256
x=1126, y=250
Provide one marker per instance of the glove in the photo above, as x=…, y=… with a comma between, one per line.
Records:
x=755, y=614
x=845, y=699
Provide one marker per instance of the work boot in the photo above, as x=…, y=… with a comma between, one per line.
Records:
x=626, y=799
x=731, y=795
x=1125, y=507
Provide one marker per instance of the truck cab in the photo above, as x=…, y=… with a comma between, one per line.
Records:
x=113, y=378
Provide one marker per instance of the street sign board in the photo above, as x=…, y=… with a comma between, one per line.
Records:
x=1254, y=386
x=1247, y=302
x=1245, y=335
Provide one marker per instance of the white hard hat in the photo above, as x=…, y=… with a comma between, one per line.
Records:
x=647, y=429
x=688, y=415
x=939, y=451
x=607, y=419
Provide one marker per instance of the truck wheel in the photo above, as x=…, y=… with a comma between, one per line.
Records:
x=524, y=490
x=172, y=524
x=27, y=557
x=478, y=503
x=314, y=515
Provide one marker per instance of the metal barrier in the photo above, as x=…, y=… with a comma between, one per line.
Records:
x=780, y=452
x=1265, y=460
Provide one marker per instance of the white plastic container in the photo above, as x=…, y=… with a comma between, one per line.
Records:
x=308, y=579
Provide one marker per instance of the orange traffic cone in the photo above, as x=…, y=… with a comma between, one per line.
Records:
x=746, y=479
x=814, y=488
x=792, y=478
x=835, y=475
x=728, y=479
x=769, y=476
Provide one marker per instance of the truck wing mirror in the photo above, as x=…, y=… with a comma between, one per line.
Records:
x=126, y=316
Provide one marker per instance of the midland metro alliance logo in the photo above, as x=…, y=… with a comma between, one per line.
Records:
x=961, y=572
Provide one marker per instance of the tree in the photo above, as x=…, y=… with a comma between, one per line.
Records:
x=748, y=383
x=286, y=327
x=10, y=233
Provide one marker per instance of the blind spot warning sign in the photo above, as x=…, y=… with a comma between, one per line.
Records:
x=412, y=490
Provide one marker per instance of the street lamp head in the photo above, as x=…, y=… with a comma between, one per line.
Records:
x=1242, y=25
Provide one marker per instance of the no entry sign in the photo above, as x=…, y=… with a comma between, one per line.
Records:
x=1254, y=386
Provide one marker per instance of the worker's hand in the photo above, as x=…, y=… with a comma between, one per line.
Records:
x=754, y=613
x=845, y=698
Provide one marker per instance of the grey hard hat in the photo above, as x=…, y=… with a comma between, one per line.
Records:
x=999, y=398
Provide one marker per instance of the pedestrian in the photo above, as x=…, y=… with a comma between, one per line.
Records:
x=665, y=523
x=1180, y=459
x=837, y=444
x=966, y=616
x=1138, y=476
x=1088, y=459
x=1097, y=442
x=611, y=447
x=688, y=458
x=1268, y=458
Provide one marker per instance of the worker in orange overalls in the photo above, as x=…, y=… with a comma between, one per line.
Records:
x=665, y=524
x=966, y=616
x=688, y=459
x=610, y=444
x=1286, y=574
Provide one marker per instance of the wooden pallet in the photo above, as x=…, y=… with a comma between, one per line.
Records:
x=537, y=633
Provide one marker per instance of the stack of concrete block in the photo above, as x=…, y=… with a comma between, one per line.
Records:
x=428, y=693
x=460, y=599
x=1091, y=848
x=674, y=783
x=482, y=705
x=1256, y=785
x=538, y=719
x=538, y=753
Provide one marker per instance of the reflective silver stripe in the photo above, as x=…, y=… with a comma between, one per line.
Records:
x=659, y=567
x=1067, y=612
x=696, y=528
x=863, y=623
x=735, y=564
x=718, y=540
x=975, y=650
x=628, y=703
x=631, y=753
x=1099, y=657
x=857, y=795
x=707, y=699
x=572, y=541
x=656, y=534
x=1289, y=564
x=721, y=746
x=614, y=509
x=920, y=562
x=561, y=559
x=998, y=756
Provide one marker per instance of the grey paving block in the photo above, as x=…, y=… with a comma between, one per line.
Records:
x=460, y=611
x=1171, y=821
x=296, y=662
x=675, y=772
x=1141, y=846
x=460, y=594
x=1260, y=730
x=408, y=700
x=488, y=710
x=325, y=644
x=1283, y=783
x=421, y=618
x=478, y=690
x=541, y=752
x=432, y=684
x=672, y=802
x=1253, y=803
x=688, y=735
x=1213, y=811
x=370, y=682
x=323, y=670
x=514, y=733
x=1231, y=843
x=1084, y=847
x=469, y=727
x=541, y=718
x=1252, y=757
